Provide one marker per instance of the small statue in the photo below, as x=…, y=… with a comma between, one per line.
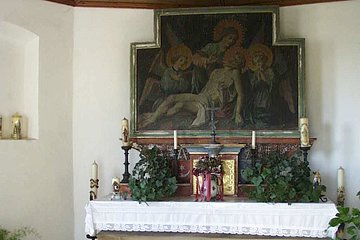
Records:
x=317, y=179
x=116, y=189
x=16, y=123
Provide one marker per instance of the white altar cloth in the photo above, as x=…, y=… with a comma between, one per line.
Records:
x=230, y=217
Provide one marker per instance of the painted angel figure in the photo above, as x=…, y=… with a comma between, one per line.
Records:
x=222, y=80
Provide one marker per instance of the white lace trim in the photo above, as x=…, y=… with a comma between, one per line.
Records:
x=296, y=220
x=207, y=229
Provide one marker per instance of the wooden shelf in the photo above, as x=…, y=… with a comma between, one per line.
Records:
x=161, y=4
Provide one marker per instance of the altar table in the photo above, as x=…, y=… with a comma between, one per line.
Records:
x=228, y=217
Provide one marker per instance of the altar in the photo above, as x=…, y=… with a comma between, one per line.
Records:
x=230, y=217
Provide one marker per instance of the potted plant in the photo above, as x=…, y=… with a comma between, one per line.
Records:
x=210, y=185
x=279, y=178
x=348, y=219
x=17, y=234
x=152, y=178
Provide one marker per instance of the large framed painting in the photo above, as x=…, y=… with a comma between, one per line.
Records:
x=231, y=60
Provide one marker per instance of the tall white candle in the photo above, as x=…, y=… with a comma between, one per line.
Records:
x=125, y=131
x=175, y=139
x=253, y=140
x=94, y=171
x=94, y=181
x=340, y=177
x=304, y=132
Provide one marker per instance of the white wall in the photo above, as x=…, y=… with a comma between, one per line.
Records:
x=19, y=65
x=36, y=176
x=332, y=49
x=102, y=40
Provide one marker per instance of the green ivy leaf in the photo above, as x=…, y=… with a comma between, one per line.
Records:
x=351, y=230
x=343, y=210
x=335, y=222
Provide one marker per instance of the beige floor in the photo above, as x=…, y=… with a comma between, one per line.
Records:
x=182, y=236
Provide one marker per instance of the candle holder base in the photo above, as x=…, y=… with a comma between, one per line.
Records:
x=253, y=156
x=126, y=174
x=91, y=237
x=305, y=150
x=174, y=162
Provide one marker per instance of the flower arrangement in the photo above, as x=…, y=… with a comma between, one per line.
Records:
x=208, y=165
x=210, y=185
x=152, y=177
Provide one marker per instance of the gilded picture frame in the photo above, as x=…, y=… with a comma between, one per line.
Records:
x=231, y=59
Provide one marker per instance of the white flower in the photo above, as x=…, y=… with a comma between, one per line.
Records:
x=147, y=176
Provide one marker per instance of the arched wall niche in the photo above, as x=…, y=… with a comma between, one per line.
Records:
x=19, y=68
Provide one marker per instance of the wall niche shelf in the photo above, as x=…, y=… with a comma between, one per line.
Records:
x=17, y=140
x=19, y=66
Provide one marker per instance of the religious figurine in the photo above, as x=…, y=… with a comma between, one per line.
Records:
x=16, y=126
x=317, y=179
x=116, y=189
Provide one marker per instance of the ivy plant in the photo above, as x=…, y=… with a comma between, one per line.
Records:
x=152, y=178
x=279, y=178
x=348, y=218
x=17, y=234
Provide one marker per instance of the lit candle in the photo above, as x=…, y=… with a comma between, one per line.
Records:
x=175, y=139
x=125, y=132
x=94, y=171
x=253, y=140
x=340, y=177
x=304, y=132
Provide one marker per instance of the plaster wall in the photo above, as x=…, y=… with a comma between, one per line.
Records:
x=36, y=176
x=332, y=56
x=102, y=40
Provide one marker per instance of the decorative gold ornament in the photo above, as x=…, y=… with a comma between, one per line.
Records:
x=341, y=196
x=229, y=178
x=16, y=126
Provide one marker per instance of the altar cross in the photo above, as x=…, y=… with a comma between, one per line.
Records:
x=212, y=123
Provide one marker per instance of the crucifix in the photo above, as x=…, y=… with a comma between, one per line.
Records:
x=212, y=123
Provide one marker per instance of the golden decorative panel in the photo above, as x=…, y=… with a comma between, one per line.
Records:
x=229, y=178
